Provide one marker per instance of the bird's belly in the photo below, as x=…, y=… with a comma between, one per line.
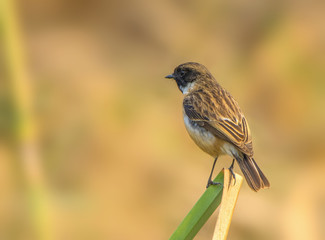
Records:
x=203, y=138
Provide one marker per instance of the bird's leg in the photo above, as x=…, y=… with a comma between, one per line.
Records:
x=210, y=182
x=232, y=171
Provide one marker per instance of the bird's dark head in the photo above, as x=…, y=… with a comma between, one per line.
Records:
x=187, y=74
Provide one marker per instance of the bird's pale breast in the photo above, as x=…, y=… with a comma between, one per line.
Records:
x=203, y=138
x=209, y=143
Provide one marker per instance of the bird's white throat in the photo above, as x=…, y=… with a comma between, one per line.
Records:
x=187, y=88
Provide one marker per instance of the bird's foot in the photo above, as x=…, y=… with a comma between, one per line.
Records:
x=210, y=182
x=232, y=172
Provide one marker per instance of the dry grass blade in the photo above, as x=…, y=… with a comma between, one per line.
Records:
x=228, y=203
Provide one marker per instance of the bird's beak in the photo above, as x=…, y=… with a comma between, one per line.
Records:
x=170, y=76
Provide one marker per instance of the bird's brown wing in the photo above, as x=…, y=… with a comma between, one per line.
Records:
x=218, y=112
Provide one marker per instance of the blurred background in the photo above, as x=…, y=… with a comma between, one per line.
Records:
x=92, y=140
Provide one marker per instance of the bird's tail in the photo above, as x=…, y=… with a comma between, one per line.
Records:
x=253, y=174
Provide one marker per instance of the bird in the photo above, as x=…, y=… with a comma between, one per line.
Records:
x=216, y=123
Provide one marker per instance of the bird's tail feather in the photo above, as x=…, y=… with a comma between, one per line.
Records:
x=253, y=174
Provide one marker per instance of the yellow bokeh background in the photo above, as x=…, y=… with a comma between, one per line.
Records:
x=92, y=140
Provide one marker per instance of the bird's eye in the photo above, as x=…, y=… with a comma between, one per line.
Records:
x=182, y=73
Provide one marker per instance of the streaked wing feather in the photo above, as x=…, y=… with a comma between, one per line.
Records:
x=193, y=114
x=226, y=122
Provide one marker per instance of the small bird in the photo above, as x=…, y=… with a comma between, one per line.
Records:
x=215, y=122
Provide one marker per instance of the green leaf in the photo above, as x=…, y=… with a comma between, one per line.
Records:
x=201, y=211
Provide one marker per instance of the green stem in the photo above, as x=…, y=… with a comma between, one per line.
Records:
x=201, y=211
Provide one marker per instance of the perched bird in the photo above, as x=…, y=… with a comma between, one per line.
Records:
x=215, y=122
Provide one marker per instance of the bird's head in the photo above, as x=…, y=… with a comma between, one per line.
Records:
x=187, y=74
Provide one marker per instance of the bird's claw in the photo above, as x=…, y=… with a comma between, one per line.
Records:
x=210, y=182
x=233, y=174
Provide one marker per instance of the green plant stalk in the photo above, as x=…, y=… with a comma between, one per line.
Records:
x=201, y=211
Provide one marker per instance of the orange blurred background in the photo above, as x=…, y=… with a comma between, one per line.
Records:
x=92, y=140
